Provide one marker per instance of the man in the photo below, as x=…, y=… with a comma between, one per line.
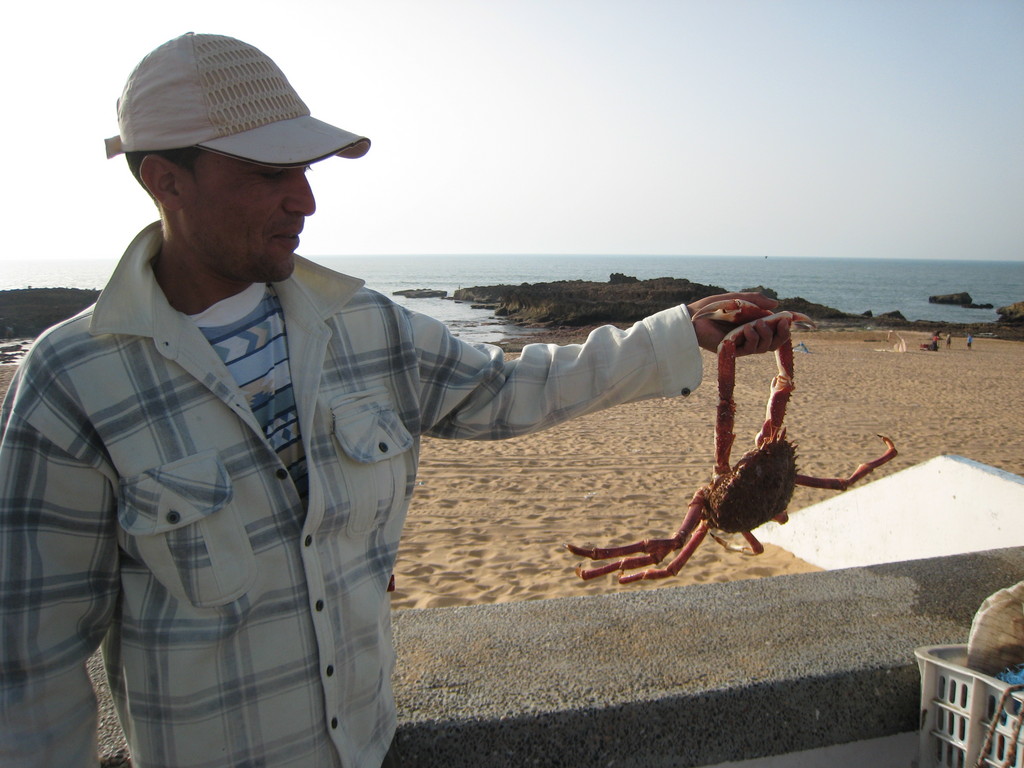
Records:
x=208, y=471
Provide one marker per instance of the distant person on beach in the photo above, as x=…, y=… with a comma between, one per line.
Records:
x=949, y=340
x=208, y=471
x=970, y=340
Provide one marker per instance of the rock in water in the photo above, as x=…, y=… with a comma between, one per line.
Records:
x=958, y=299
x=421, y=293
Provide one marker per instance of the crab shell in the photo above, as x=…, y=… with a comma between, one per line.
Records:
x=757, y=489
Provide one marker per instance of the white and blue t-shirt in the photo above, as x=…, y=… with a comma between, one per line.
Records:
x=247, y=330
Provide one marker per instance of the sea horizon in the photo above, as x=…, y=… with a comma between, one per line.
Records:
x=854, y=285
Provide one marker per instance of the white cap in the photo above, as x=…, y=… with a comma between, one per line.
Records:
x=226, y=96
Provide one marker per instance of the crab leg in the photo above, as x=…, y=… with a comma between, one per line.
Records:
x=841, y=484
x=742, y=312
x=648, y=551
x=677, y=562
x=724, y=435
x=654, y=551
x=778, y=400
x=782, y=384
x=736, y=312
x=754, y=547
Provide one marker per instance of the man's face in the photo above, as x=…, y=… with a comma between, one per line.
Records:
x=240, y=221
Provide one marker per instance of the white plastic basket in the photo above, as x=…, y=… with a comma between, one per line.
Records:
x=958, y=706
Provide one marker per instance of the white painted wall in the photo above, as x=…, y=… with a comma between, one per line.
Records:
x=948, y=505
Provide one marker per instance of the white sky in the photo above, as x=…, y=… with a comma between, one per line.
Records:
x=866, y=128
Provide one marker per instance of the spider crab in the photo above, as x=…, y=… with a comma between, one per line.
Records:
x=742, y=497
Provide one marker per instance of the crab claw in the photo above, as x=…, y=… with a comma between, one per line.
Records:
x=738, y=312
x=732, y=311
x=798, y=318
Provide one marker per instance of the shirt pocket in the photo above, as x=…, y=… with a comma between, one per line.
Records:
x=183, y=526
x=376, y=444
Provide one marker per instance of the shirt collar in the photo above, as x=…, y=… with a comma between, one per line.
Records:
x=121, y=307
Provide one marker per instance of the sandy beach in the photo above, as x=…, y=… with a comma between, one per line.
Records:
x=488, y=519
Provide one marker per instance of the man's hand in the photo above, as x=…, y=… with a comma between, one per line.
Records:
x=765, y=334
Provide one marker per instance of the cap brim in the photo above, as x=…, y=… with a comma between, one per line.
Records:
x=299, y=141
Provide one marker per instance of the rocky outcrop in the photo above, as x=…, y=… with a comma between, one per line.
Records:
x=421, y=293
x=27, y=312
x=618, y=277
x=621, y=300
x=567, y=305
x=962, y=299
x=762, y=289
x=580, y=302
x=1012, y=313
x=815, y=311
x=958, y=299
x=894, y=315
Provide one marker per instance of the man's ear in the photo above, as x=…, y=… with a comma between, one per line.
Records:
x=166, y=181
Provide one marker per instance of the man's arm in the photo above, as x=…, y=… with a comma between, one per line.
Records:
x=58, y=585
x=487, y=398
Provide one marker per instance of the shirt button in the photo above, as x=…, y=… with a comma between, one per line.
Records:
x=281, y=473
x=309, y=541
x=173, y=517
x=383, y=447
x=319, y=605
x=330, y=670
x=334, y=722
x=686, y=392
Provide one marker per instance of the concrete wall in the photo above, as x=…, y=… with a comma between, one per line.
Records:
x=809, y=670
x=684, y=676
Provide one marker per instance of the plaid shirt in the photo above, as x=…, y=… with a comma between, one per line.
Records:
x=141, y=507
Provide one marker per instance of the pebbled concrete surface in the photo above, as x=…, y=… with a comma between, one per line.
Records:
x=685, y=676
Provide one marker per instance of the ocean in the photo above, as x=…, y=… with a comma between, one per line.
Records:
x=851, y=285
